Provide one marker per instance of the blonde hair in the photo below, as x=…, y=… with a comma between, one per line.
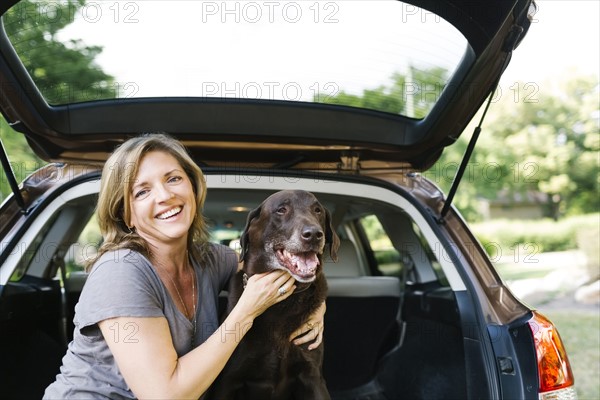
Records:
x=118, y=176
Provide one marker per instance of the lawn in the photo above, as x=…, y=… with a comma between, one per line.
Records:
x=549, y=285
x=580, y=332
x=512, y=271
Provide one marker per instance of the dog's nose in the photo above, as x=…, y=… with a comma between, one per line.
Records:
x=311, y=232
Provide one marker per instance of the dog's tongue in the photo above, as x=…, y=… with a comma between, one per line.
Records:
x=306, y=262
x=301, y=264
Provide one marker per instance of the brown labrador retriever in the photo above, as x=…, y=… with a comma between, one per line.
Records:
x=289, y=230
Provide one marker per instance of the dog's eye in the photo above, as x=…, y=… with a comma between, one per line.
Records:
x=318, y=210
x=281, y=210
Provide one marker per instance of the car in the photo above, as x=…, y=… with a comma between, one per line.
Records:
x=351, y=100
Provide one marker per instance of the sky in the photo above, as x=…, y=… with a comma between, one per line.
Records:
x=563, y=38
x=308, y=45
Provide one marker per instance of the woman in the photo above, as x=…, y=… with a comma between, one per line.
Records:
x=146, y=324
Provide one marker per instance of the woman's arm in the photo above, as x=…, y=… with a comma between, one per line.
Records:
x=145, y=355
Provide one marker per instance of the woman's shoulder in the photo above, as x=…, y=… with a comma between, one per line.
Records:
x=121, y=261
x=120, y=283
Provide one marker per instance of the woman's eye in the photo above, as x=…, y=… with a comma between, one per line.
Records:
x=175, y=179
x=140, y=193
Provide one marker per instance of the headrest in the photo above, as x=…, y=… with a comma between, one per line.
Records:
x=348, y=264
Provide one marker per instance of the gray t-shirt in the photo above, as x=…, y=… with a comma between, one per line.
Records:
x=124, y=284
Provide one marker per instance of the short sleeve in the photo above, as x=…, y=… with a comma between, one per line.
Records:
x=121, y=284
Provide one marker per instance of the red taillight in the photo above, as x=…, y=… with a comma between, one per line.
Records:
x=554, y=369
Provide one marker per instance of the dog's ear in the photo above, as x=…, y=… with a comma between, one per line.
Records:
x=331, y=237
x=244, y=242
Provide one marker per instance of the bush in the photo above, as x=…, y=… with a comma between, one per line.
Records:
x=587, y=240
x=544, y=234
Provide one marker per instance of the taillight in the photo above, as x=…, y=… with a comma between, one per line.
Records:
x=554, y=370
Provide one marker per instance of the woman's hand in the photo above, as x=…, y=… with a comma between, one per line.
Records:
x=264, y=290
x=311, y=330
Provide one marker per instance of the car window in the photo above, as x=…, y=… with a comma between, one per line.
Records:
x=226, y=236
x=66, y=238
x=31, y=255
x=388, y=259
x=85, y=248
x=431, y=255
x=321, y=52
x=90, y=239
x=397, y=247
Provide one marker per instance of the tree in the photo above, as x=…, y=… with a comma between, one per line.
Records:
x=539, y=138
x=533, y=141
x=412, y=94
x=64, y=72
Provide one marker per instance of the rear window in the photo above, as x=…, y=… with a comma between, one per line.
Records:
x=382, y=55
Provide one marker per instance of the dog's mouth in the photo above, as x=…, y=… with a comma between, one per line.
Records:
x=302, y=266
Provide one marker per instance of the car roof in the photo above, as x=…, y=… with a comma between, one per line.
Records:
x=224, y=122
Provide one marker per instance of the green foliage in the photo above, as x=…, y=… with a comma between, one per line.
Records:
x=535, y=236
x=533, y=141
x=412, y=95
x=546, y=142
x=64, y=72
x=387, y=256
x=22, y=160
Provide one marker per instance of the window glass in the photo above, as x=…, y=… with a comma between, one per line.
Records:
x=90, y=239
x=430, y=254
x=383, y=55
x=386, y=256
x=227, y=237
x=30, y=254
x=85, y=248
x=416, y=259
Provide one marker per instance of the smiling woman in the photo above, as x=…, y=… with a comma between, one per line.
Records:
x=148, y=311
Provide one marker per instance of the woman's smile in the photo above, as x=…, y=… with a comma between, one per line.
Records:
x=163, y=202
x=168, y=214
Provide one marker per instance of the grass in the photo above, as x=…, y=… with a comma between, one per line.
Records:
x=578, y=325
x=580, y=333
x=543, y=235
x=511, y=271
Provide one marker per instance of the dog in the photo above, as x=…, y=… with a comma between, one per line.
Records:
x=290, y=230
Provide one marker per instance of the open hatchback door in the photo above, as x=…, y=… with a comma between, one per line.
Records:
x=357, y=84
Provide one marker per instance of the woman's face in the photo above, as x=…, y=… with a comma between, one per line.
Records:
x=163, y=203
